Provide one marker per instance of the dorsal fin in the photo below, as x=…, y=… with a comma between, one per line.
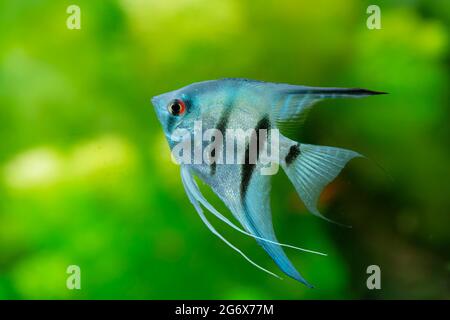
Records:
x=292, y=103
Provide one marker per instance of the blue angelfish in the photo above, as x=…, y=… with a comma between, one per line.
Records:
x=233, y=104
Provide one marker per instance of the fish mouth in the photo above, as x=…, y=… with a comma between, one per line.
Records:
x=154, y=101
x=159, y=100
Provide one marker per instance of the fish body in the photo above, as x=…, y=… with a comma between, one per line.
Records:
x=242, y=104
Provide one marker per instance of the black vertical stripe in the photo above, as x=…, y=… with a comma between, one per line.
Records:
x=221, y=126
x=170, y=123
x=294, y=152
x=248, y=168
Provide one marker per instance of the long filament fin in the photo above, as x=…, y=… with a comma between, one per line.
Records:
x=185, y=175
x=199, y=197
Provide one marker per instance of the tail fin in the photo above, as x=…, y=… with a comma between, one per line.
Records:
x=310, y=168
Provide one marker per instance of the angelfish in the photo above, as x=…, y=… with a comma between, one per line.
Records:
x=248, y=104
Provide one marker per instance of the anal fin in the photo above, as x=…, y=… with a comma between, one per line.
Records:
x=192, y=193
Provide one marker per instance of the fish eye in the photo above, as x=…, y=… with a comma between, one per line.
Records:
x=176, y=107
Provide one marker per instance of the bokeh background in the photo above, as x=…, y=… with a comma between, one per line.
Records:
x=85, y=172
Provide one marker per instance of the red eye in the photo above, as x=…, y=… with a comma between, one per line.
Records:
x=176, y=107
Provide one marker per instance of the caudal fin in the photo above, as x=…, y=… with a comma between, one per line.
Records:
x=310, y=168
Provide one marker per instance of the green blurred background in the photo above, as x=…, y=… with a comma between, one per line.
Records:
x=86, y=176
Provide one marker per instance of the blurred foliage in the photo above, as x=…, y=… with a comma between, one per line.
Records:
x=86, y=176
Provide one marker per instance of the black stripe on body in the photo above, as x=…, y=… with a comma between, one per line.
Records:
x=248, y=168
x=221, y=126
x=294, y=152
x=170, y=123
